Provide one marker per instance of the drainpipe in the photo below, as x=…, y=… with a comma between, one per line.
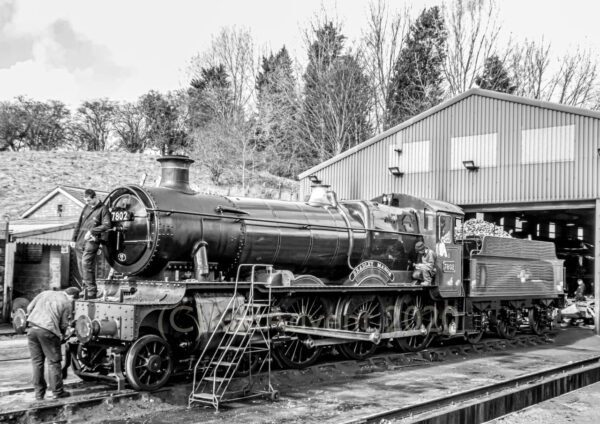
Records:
x=7, y=301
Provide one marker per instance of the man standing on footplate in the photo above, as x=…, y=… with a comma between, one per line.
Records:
x=87, y=237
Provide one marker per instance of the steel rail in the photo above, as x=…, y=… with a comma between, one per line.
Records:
x=433, y=410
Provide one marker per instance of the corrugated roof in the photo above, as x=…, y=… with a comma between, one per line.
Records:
x=472, y=92
x=54, y=238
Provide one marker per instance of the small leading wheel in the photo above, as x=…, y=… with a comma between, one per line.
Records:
x=304, y=311
x=410, y=313
x=149, y=363
x=363, y=314
x=536, y=322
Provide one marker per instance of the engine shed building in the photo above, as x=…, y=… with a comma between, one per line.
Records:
x=530, y=166
x=35, y=255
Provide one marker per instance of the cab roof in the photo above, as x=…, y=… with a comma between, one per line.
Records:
x=406, y=200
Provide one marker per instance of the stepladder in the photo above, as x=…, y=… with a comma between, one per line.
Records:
x=235, y=363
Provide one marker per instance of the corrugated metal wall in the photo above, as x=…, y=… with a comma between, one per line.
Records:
x=570, y=174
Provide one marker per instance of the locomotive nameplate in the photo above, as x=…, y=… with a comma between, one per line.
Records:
x=369, y=269
x=448, y=266
x=118, y=215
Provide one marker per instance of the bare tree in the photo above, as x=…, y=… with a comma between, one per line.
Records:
x=93, y=124
x=572, y=79
x=26, y=123
x=381, y=43
x=529, y=64
x=212, y=147
x=576, y=82
x=232, y=48
x=131, y=127
x=473, y=30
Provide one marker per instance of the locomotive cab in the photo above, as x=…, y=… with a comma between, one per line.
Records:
x=449, y=253
x=439, y=225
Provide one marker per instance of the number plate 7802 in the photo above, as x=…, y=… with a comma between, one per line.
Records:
x=117, y=216
x=448, y=266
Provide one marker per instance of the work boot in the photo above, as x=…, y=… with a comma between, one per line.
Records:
x=60, y=395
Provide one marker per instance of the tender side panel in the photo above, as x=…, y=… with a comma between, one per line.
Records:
x=509, y=268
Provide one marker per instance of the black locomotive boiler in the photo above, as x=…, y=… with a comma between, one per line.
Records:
x=338, y=273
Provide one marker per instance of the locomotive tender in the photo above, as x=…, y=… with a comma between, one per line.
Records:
x=339, y=273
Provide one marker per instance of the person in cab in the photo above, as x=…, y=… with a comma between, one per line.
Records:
x=424, y=266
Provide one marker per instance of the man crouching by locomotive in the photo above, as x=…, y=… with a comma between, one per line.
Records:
x=93, y=223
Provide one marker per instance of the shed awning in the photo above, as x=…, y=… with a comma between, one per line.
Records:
x=48, y=233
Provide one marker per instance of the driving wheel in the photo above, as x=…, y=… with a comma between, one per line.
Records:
x=362, y=314
x=305, y=311
x=410, y=313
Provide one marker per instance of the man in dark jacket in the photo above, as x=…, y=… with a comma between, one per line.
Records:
x=93, y=223
x=48, y=316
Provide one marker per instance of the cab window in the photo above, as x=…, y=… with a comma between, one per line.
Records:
x=458, y=229
x=445, y=229
x=408, y=223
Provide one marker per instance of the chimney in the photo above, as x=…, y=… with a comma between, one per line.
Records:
x=175, y=173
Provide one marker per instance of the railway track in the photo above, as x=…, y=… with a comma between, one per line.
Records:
x=494, y=400
x=392, y=360
x=84, y=395
x=89, y=394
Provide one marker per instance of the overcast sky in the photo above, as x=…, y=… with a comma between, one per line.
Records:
x=72, y=50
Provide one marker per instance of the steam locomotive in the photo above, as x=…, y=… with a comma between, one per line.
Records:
x=338, y=273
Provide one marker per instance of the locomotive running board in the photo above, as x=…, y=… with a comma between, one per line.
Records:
x=374, y=337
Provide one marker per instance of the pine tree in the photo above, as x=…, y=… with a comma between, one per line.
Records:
x=276, y=74
x=276, y=129
x=210, y=97
x=495, y=77
x=337, y=100
x=416, y=83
